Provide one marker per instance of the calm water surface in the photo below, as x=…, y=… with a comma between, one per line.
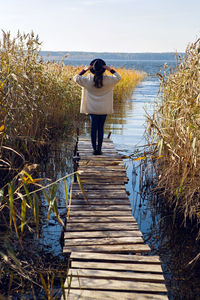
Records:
x=175, y=246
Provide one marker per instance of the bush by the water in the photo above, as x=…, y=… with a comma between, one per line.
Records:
x=175, y=125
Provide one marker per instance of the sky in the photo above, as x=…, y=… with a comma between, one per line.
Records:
x=105, y=25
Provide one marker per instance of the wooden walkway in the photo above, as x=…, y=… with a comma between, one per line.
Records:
x=107, y=249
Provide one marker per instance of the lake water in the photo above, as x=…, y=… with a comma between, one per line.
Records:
x=174, y=245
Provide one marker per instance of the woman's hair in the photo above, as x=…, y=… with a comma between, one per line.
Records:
x=98, y=70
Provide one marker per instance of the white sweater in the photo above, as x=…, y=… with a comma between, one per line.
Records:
x=94, y=100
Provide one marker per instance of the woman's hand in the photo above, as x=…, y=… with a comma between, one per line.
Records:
x=107, y=68
x=88, y=68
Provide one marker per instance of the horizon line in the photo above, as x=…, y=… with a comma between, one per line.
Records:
x=79, y=51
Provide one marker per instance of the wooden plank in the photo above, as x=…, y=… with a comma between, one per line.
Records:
x=104, y=241
x=102, y=219
x=88, y=187
x=106, y=174
x=100, y=226
x=79, y=294
x=107, y=274
x=105, y=151
x=100, y=202
x=101, y=195
x=98, y=196
x=101, y=208
x=102, y=169
x=101, y=187
x=101, y=234
x=116, y=181
x=119, y=285
x=101, y=158
x=89, y=147
x=123, y=198
x=132, y=248
x=115, y=257
x=86, y=162
x=117, y=266
x=103, y=178
x=93, y=213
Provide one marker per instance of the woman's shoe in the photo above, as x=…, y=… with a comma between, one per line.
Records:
x=95, y=152
x=99, y=152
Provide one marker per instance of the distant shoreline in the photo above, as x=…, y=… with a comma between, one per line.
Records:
x=76, y=55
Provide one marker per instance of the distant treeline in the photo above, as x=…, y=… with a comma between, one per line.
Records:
x=76, y=55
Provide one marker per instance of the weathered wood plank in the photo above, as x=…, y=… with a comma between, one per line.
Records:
x=85, y=163
x=119, y=285
x=101, y=195
x=101, y=158
x=96, y=212
x=106, y=151
x=115, y=257
x=135, y=267
x=103, y=167
x=132, y=248
x=104, y=241
x=97, y=196
x=107, y=186
x=101, y=234
x=100, y=208
x=77, y=294
x=102, y=219
x=100, y=226
x=107, y=274
x=105, y=174
x=102, y=181
x=99, y=202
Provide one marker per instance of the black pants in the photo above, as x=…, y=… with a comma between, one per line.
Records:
x=97, y=125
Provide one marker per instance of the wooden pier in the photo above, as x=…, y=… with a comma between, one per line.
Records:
x=108, y=258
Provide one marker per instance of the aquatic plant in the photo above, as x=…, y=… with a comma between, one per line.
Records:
x=175, y=128
x=20, y=218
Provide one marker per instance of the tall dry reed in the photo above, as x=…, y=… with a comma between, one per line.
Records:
x=130, y=78
x=38, y=97
x=175, y=126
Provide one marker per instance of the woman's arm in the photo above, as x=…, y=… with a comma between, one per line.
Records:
x=109, y=69
x=82, y=81
x=85, y=70
x=116, y=76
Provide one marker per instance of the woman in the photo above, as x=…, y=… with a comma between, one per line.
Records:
x=97, y=98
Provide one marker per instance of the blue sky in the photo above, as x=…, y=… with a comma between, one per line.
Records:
x=105, y=25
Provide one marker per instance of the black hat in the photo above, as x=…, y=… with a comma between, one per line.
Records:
x=97, y=64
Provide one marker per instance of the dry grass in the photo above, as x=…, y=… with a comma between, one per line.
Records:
x=36, y=97
x=130, y=78
x=175, y=125
x=33, y=94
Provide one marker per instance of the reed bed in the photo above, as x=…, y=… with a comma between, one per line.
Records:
x=130, y=78
x=175, y=127
x=36, y=97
